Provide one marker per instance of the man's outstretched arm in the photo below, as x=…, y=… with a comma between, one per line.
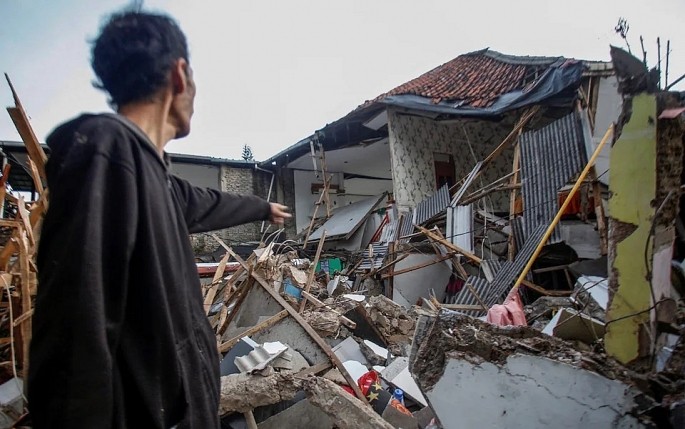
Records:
x=208, y=209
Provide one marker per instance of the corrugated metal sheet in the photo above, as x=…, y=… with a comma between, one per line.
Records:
x=550, y=158
x=505, y=277
x=465, y=296
x=406, y=226
x=432, y=206
x=460, y=226
x=390, y=231
x=490, y=268
x=519, y=233
x=380, y=250
x=464, y=187
x=347, y=219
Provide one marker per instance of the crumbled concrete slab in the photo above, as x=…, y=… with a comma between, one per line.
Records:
x=532, y=392
x=244, y=392
x=475, y=374
x=346, y=411
x=325, y=323
x=393, y=321
x=424, y=416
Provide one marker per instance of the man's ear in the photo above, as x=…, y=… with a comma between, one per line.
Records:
x=179, y=76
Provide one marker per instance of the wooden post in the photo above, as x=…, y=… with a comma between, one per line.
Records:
x=312, y=269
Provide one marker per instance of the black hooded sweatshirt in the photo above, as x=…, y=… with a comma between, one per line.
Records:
x=120, y=338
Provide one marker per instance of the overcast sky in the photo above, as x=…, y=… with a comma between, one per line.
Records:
x=270, y=73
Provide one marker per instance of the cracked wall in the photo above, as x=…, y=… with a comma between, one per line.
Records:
x=479, y=375
x=644, y=193
x=531, y=392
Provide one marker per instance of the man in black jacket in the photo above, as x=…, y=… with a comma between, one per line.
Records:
x=120, y=337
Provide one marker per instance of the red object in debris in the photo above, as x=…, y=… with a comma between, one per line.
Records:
x=509, y=313
x=209, y=269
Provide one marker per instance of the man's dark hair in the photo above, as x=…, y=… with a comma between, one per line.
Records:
x=134, y=53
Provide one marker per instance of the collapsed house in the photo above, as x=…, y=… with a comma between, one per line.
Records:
x=497, y=242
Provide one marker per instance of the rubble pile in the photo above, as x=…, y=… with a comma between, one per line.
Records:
x=450, y=315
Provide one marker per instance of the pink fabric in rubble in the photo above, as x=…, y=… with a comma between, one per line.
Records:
x=509, y=313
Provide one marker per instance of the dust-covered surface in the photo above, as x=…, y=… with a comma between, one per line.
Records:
x=476, y=341
x=394, y=322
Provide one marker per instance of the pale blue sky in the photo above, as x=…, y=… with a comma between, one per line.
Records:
x=269, y=73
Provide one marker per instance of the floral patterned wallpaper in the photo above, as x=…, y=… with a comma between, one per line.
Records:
x=415, y=140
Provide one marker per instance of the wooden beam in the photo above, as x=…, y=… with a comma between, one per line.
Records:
x=26, y=327
x=21, y=122
x=418, y=267
x=315, y=369
x=312, y=269
x=450, y=246
x=218, y=275
x=227, y=345
x=482, y=194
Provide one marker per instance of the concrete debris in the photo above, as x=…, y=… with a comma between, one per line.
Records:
x=301, y=415
x=374, y=354
x=398, y=375
x=463, y=367
x=345, y=410
x=392, y=291
x=326, y=323
x=243, y=392
x=393, y=321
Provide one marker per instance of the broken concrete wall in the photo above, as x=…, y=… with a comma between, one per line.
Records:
x=414, y=141
x=531, y=392
x=478, y=375
x=645, y=190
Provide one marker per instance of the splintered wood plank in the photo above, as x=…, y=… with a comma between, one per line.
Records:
x=25, y=327
x=218, y=275
x=35, y=175
x=23, y=217
x=21, y=122
x=243, y=291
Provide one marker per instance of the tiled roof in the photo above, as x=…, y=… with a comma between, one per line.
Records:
x=476, y=79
